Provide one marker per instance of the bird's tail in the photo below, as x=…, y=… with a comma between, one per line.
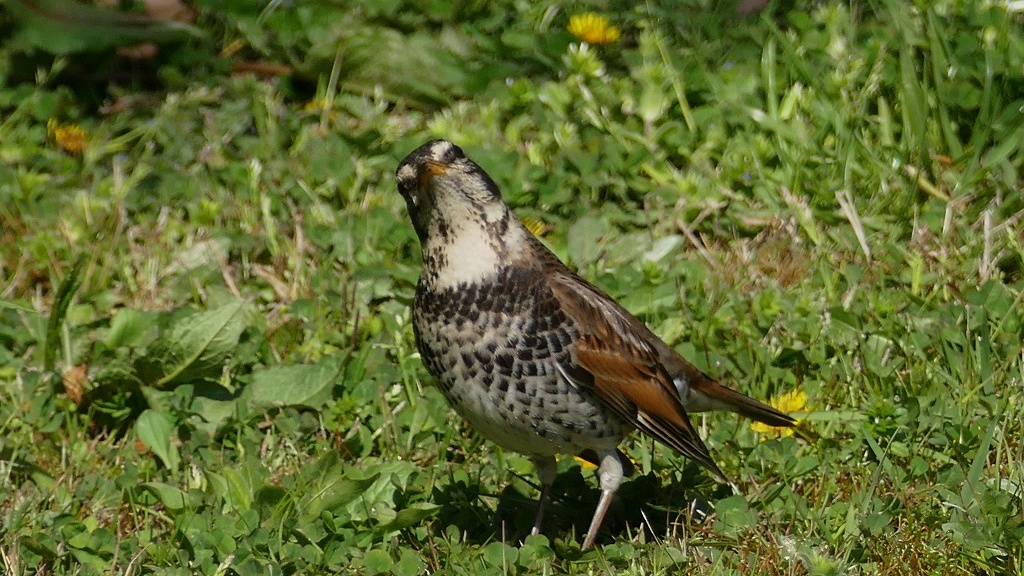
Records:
x=707, y=394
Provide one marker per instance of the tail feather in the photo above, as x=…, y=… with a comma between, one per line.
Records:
x=706, y=394
x=701, y=393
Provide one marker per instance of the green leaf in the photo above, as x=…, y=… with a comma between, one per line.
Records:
x=156, y=430
x=171, y=497
x=500, y=554
x=734, y=515
x=13, y=305
x=977, y=469
x=214, y=413
x=331, y=493
x=19, y=465
x=584, y=241
x=68, y=286
x=663, y=247
x=67, y=26
x=269, y=497
x=130, y=328
x=915, y=105
x=93, y=562
x=409, y=564
x=304, y=385
x=377, y=561
x=234, y=486
x=195, y=347
x=410, y=516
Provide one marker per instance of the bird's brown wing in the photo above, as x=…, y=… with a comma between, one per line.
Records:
x=614, y=356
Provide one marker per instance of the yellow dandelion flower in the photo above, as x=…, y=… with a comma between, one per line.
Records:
x=314, y=105
x=584, y=463
x=321, y=106
x=593, y=29
x=72, y=138
x=790, y=402
x=536, y=227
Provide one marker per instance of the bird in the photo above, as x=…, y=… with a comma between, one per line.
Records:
x=534, y=357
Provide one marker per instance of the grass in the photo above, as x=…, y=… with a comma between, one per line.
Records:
x=206, y=362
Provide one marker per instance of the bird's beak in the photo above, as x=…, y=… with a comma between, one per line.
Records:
x=430, y=170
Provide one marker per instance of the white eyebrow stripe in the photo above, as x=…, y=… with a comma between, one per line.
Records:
x=440, y=149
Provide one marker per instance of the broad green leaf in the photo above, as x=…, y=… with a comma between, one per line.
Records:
x=394, y=476
x=377, y=562
x=663, y=247
x=86, y=559
x=500, y=554
x=213, y=412
x=304, y=385
x=156, y=430
x=67, y=26
x=584, y=240
x=409, y=564
x=235, y=486
x=328, y=486
x=269, y=497
x=195, y=347
x=338, y=492
x=171, y=497
x=410, y=516
x=734, y=515
x=130, y=328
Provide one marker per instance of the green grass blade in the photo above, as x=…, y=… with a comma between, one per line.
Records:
x=65, y=293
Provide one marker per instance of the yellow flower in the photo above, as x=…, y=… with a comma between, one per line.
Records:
x=584, y=463
x=315, y=105
x=790, y=402
x=536, y=227
x=593, y=29
x=320, y=105
x=72, y=138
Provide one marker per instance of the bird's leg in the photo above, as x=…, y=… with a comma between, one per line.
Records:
x=547, y=470
x=610, y=474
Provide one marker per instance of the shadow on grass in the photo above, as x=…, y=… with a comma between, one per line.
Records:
x=643, y=503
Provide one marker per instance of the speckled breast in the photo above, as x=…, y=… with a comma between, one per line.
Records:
x=493, y=349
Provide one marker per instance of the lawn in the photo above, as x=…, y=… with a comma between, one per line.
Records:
x=206, y=358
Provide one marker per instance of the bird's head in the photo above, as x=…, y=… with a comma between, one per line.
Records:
x=446, y=191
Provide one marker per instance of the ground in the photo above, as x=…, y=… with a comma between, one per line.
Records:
x=206, y=362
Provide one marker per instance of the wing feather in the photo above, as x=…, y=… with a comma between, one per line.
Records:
x=615, y=358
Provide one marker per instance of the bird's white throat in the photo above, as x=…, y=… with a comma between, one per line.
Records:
x=472, y=248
